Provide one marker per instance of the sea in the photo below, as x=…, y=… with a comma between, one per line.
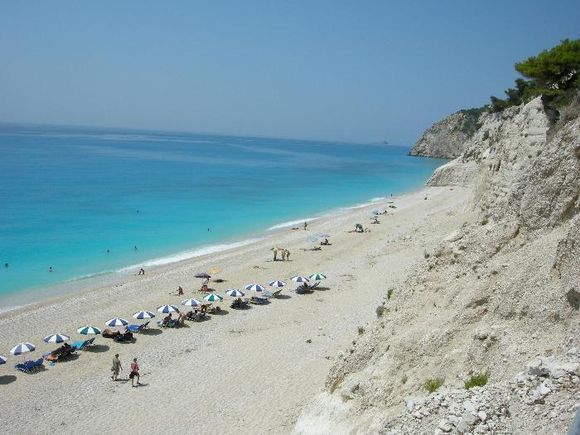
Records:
x=77, y=203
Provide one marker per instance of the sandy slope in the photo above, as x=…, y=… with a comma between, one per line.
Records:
x=242, y=372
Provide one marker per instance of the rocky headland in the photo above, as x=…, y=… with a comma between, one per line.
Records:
x=483, y=335
x=446, y=138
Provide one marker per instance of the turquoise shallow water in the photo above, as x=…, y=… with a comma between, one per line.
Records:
x=69, y=195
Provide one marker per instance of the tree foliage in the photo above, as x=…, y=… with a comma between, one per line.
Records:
x=553, y=73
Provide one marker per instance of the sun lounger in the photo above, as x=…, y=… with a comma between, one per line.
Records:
x=273, y=294
x=313, y=286
x=82, y=344
x=107, y=333
x=257, y=300
x=30, y=366
x=124, y=338
x=138, y=328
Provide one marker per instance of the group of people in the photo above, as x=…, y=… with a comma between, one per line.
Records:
x=133, y=373
x=285, y=254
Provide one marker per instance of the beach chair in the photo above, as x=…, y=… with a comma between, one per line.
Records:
x=125, y=338
x=257, y=300
x=138, y=328
x=30, y=366
x=313, y=286
x=273, y=294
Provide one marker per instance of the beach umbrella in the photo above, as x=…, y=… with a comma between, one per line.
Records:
x=300, y=279
x=168, y=309
x=317, y=277
x=2, y=359
x=89, y=330
x=21, y=348
x=203, y=275
x=191, y=302
x=235, y=293
x=116, y=321
x=254, y=288
x=143, y=315
x=56, y=338
x=277, y=284
x=212, y=297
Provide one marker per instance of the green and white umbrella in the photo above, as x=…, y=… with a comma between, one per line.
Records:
x=89, y=330
x=212, y=297
x=317, y=277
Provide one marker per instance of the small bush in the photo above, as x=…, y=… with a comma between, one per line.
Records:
x=433, y=385
x=361, y=330
x=380, y=311
x=477, y=380
x=404, y=379
x=485, y=220
x=390, y=293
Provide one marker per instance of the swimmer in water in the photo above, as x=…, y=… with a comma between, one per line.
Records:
x=50, y=268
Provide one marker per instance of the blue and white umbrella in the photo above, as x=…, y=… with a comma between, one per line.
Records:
x=143, y=315
x=276, y=283
x=317, y=277
x=191, y=302
x=212, y=297
x=235, y=293
x=21, y=348
x=89, y=330
x=56, y=338
x=166, y=309
x=116, y=321
x=2, y=359
x=300, y=279
x=254, y=288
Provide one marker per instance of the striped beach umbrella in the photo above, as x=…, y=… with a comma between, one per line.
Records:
x=254, y=288
x=212, y=297
x=300, y=279
x=56, y=338
x=21, y=348
x=143, y=315
x=2, y=359
x=89, y=330
x=166, y=309
x=317, y=277
x=116, y=321
x=191, y=302
x=235, y=293
x=276, y=283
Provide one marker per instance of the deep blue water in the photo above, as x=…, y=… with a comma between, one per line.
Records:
x=67, y=195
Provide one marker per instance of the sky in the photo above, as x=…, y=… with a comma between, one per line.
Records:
x=354, y=71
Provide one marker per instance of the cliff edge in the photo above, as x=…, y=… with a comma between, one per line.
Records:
x=496, y=303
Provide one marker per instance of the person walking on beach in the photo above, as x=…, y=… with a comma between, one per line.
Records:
x=276, y=253
x=116, y=367
x=134, y=372
x=305, y=225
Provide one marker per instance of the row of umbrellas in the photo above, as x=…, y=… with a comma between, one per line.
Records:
x=26, y=347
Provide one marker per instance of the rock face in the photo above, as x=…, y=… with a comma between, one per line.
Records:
x=446, y=138
x=500, y=291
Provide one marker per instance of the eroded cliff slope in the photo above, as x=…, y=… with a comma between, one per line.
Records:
x=496, y=294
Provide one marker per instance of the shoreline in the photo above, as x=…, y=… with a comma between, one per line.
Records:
x=53, y=292
x=255, y=368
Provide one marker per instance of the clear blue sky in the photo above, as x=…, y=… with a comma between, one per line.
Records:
x=340, y=70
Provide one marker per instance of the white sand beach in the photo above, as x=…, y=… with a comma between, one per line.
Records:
x=248, y=371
